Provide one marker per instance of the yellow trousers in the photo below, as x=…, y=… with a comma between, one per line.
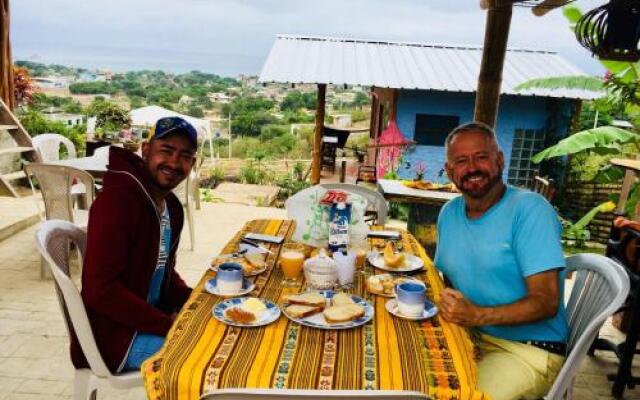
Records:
x=510, y=370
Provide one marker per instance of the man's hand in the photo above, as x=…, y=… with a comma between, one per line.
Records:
x=457, y=309
x=542, y=301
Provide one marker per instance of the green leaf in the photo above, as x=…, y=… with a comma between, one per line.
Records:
x=609, y=174
x=601, y=137
x=572, y=13
x=580, y=82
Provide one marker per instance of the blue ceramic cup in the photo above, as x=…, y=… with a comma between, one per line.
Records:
x=229, y=278
x=410, y=298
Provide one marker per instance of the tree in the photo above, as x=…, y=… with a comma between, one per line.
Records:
x=195, y=111
x=92, y=88
x=361, y=100
x=109, y=116
x=23, y=86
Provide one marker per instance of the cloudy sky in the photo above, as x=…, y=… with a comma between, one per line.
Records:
x=229, y=37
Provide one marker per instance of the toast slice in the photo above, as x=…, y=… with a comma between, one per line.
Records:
x=341, y=299
x=307, y=299
x=343, y=313
x=300, y=311
x=255, y=259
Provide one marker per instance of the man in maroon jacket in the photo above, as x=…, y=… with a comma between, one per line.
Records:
x=129, y=285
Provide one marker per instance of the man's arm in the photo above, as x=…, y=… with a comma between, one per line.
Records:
x=541, y=302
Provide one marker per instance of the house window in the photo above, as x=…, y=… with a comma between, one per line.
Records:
x=526, y=143
x=432, y=130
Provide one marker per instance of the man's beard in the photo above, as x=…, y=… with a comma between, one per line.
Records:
x=477, y=193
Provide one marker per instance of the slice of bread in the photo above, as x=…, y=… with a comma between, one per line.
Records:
x=255, y=259
x=300, y=311
x=343, y=313
x=307, y=299
x=341, y=298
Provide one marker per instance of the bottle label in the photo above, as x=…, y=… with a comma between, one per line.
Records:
x=339, y=218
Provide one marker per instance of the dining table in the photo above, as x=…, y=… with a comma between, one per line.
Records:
x=202, y=354
x=94, y=165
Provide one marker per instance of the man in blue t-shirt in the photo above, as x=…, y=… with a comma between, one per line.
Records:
x=499, y=246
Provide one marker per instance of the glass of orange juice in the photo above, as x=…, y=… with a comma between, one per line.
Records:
x=291, y=261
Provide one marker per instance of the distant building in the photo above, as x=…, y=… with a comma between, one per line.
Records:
x=52, y=82
x=341, y=121
x=219, y=97
x=431, y=89
x=66, y=118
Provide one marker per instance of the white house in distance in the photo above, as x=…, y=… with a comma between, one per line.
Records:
x=66, y=118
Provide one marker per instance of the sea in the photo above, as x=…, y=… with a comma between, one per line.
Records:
x=123, y=59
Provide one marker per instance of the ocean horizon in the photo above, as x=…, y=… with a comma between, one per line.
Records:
x=123, y=60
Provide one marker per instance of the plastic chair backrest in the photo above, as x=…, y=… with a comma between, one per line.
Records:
x=184, y=191
x=55, y=183
x=48, y=146
x=377, y=202
x=601, y=286
x=277, y=394
x=52, y=240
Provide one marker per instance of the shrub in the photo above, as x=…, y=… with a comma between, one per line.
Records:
x=289, y=186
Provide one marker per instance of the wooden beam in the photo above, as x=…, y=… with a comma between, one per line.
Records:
x=6, y=61
x=317, y=134
x=496, y=35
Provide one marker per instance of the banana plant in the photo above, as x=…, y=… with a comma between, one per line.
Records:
x=578, y=232
x=601, y=140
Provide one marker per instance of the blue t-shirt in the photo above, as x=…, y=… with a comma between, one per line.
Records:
x=488, y=258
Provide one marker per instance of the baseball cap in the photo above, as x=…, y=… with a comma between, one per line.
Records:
x=174, y=125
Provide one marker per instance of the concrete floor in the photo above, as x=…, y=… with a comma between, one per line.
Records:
x=34, y=361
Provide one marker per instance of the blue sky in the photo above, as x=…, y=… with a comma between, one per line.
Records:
x=234, y=36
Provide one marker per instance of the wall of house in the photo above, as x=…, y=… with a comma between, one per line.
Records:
x=515, y=112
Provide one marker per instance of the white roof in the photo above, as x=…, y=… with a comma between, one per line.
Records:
x=147, y=116
x=306, y=59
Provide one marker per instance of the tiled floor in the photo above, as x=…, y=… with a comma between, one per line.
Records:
x=34, y=361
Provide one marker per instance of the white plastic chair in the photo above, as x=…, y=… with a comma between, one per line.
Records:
x=52, y=240
x=56, y=184
x=184, y=192
x=601, y=286
x=377, y=203
x=48, y=146
x=276, y=394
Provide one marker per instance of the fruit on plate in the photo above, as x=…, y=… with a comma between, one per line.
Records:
x=391, y=259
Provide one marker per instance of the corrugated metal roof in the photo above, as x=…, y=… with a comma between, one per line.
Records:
x=307, y=59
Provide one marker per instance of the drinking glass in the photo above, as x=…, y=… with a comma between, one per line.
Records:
x=291, y=261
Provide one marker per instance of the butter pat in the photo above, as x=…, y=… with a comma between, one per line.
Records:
x=253, y=306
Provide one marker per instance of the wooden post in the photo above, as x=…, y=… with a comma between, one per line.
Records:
x=6, y=62
x=495, y=47
x=317, y=135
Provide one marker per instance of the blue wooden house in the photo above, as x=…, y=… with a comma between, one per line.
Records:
x=430, y=89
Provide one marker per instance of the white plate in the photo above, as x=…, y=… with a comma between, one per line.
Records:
x=430, y=310
x=272, y=313
x=241, y=261
x=397, y=279
x=211, y=287
x=318, y=321
x=411, y=263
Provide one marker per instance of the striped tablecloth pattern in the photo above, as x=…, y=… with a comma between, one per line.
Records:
x=202, y=354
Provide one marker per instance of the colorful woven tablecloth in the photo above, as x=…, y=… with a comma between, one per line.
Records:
x=202, y=354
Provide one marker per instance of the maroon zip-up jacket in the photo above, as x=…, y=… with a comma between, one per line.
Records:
x=122, y=252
